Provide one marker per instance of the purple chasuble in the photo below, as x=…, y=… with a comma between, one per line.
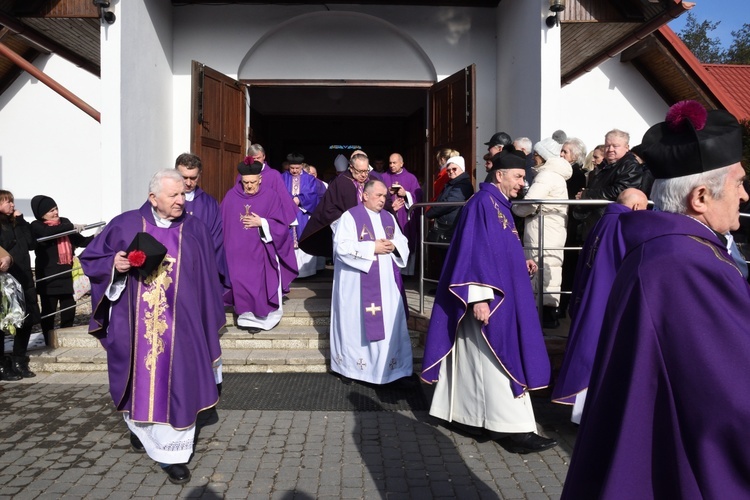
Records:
x=597, y=266
x=304, y=187
x=666, y=413
x=485, y=233
x=253, y=268
x=409, y=182
x=206, y=208
x=162, y=334
x=369, y=282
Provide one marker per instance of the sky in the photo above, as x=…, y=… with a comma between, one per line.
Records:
x=732, y=14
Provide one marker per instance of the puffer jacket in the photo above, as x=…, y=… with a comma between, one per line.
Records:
x=549, y=184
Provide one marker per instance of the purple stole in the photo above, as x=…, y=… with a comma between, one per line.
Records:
x=369, y=282
x=155, y=331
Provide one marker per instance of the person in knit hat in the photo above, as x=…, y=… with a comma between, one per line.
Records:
x=53, y=257
x=665, y=413
x=552, y=172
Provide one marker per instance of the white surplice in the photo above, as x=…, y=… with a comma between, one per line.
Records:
x=352, y=355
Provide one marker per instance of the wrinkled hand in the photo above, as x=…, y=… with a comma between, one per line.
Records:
x=401, y=192
x=79, y=227
x=482, y=312
x=398, y=204
x=531, y=267
x=122, y=264
x=252, y=220
x=5, y=263
x=383, y=246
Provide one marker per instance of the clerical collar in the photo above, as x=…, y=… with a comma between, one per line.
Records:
x=722, y=238
x=190, y=196
x=159, y=221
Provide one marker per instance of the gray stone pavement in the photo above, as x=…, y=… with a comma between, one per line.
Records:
x=61, y=438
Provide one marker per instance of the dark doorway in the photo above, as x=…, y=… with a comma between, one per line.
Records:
x=323, y=121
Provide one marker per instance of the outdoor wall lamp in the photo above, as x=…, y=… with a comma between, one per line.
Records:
x=105, y=14
x=555, y=6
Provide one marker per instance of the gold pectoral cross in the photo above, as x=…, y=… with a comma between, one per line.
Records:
x=246, y=214
x=373, y=309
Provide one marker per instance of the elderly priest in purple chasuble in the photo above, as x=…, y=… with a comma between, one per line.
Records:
x=259, y=248
x=484, y=347
x=303, y=190
x=369, y=337
x=666, y=413
x=158, y=323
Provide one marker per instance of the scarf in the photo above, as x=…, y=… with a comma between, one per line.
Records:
x=64, y=247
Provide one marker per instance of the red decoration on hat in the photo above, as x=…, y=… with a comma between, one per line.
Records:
x=249, y=160
x=686, y=111
x=137, y=258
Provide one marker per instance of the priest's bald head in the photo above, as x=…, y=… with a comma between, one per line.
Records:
x=695, y=157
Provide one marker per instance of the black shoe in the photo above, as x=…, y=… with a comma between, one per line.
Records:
x=6, y=371
x=136, y=445
x=249, y=329
x=549, y=317
x=525, y=443
x=177, y=473
x=464, y=429
x=406, y=383
x=20, y=365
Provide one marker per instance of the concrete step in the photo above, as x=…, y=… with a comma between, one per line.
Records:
x=94, y=359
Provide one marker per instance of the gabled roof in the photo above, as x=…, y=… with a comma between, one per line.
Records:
x=735, y=80
x=676, y=74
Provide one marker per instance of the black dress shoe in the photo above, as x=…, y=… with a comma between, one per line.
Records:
x=177, y=473
x=136, y=445
x=249, y=329
x=6, y=371
x=20, y=365
x=527, y=442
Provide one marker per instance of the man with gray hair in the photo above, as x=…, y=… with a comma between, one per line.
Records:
x=158, y=312
x=665, y=415
x=619, y=171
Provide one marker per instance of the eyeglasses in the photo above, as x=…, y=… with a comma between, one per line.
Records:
x=451, y=169
x=359, y=172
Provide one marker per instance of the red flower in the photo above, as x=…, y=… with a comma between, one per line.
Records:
x=137, y=258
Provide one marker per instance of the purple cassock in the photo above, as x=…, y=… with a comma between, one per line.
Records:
x=597, y=266
x=253, y=268
x=486, y=251
x=342, y=194
x=206, y=208
x=409, y=182
x=666, y=413
x=162, y=334
x=305, y=187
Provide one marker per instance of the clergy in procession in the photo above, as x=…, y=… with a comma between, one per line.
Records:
x=344, y=192
x=484, y=344
x=369, y=337
x=257, y=244
x=666, y=411
x=303, y=190
x=600, y=259
x=157, y=311
x=404, y=191
x=202, y=205
x=273, y=182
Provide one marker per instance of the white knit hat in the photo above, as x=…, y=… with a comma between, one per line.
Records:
x=547, y=148
x=457, y=161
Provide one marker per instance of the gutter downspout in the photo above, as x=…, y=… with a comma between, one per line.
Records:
x=674, y=10
x=42, y=77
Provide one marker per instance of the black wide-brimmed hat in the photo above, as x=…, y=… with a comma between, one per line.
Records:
x=691, y=140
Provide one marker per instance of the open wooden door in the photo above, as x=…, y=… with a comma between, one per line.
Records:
x=452, y=119
x=217, y=127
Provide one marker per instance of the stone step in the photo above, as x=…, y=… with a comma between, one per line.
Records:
x=90, y=359
x=232, y=338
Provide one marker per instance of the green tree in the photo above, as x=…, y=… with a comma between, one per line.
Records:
x=696, y=37
x=739, y=51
